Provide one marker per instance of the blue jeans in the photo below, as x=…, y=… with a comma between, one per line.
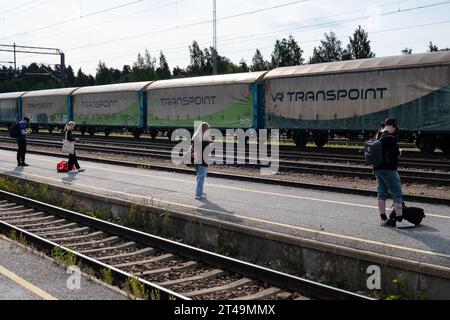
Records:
x=201, y=172
x=388, y=181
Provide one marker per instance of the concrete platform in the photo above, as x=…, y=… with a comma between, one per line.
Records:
x=27, y=276
x=335, y=218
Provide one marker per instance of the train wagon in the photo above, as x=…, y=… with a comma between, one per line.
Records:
x=48, y=109
x=345, y=98
x=111, y=107
x=10, y=107
x=224, y=101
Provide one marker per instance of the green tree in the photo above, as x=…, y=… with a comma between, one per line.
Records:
x=83, y=79
x=243, y=66
x=163, y=71
x=329, y=50
x=179, y=72
x=103, y=74
x=144, y=68
x=70, y=76
x=359, y=46
x=287, y=53
x=406, y=51
x=258, y=62
x=434, y=48
x=199, y=61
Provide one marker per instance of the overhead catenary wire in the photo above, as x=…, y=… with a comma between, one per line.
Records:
x=128, y=37
x=140, y=12
x=224, y=42
x=73, y=19
x=299, y=42
x=25, y=10
x=17, y=7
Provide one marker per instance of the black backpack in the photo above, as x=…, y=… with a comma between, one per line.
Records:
x=412, y=214
x=14, y=131
x=373, y=151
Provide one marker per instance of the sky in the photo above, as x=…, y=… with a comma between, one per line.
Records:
x=114, y=31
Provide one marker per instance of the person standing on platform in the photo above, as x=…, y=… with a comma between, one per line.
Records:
x=199, y=142
x=73, y=161
x=388, y=180
x=22, y=142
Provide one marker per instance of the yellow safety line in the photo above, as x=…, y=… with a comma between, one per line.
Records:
x=247, y=190
x=314, y=231
x=27, y=285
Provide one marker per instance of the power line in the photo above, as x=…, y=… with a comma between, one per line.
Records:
x=73, y=19
x=182, y=26
x=330, y=24
x=299, y=42
x=109, y=21
x=176, y=2
x=18, y=7
x=302, y=27
x=27, y=9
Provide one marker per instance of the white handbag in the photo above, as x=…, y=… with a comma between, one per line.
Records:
x=187, y=157
x=68, y=146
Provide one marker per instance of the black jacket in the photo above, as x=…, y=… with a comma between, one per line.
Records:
x=391, y=152
x=69, y=135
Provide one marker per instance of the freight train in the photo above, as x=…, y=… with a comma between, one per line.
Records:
x=313, y=102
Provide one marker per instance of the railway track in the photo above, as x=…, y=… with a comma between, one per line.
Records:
x=165, y=268
x=350, y=166
x=352, y=148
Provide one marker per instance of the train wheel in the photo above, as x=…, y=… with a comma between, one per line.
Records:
x=320, y=140
x=136, y=133
x=444, y=144
x=300, y=139
x=153, y=134
x=107, y=132
x=50, y=130
x=91, y=131
x=83, y=131
x=426, y=143
x=169, y=134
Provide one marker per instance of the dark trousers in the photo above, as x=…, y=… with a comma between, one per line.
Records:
x=73, y=161
x=21, y=151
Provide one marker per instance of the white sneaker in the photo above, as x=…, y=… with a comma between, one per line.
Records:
x=384, y=222
x=73, y=171
x=404, y=224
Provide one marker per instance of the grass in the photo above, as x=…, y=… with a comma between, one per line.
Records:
x=136, y=288
x=19, y=238
x=107, y=275
x=65, y=257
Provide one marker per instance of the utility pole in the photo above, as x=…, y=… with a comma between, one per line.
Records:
x=214, y=38
x=15, y=62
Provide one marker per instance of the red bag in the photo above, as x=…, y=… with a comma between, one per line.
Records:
x=63, y=166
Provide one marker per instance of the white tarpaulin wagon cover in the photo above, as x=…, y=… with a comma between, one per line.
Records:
x=358, y=94
x=110, y=105
x=9, y=106
x=47, y=106
x=224, y=101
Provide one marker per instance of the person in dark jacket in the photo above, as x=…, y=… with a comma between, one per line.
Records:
x=72, y=156
x=388, y=180
x=22, y=142
x=200, y=141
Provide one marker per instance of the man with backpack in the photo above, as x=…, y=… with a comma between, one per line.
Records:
x=19, y=131
x=383, y=153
